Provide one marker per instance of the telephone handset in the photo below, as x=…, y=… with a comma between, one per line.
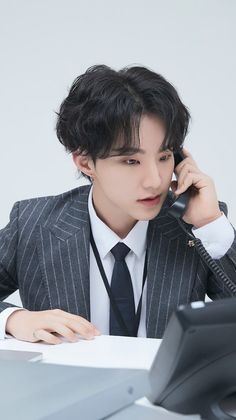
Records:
x=179, y=206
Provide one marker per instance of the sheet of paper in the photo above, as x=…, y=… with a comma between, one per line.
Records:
x=103, y=351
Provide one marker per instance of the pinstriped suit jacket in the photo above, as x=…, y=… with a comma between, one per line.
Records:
x=44, y=252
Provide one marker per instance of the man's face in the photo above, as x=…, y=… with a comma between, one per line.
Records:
x=131, y=188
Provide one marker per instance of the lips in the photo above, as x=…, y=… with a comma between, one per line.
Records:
x=150, y=201
x=150, y=198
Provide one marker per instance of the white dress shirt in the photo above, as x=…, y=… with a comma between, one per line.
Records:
x=216, y=237
x=105, y=240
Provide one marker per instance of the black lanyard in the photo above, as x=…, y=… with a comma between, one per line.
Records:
x=116, y=310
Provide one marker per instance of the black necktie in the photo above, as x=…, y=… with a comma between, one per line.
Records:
x=122, y=291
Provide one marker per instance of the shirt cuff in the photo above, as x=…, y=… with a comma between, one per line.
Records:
x=216, y=237
x=3, y=320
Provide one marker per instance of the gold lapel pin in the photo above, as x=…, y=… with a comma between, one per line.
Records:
x=191, y=243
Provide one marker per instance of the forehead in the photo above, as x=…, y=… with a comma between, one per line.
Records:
x=151, y=128
x=150, y=133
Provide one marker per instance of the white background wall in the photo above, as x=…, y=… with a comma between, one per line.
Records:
x=46, y=44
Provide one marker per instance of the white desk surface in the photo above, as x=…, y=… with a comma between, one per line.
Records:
x=103, y=351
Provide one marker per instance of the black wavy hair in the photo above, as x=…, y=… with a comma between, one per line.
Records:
x=103, y=109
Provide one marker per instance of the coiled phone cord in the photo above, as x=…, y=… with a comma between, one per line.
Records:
x=215, y=269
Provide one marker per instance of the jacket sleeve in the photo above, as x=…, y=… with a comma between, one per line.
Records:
x=8, y=258
x=217, y=286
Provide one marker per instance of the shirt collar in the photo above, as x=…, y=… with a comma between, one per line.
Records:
x=106, y=239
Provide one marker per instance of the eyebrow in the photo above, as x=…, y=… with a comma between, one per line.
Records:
x=134, y=150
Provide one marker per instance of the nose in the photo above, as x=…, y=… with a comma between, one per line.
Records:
x=151, y=177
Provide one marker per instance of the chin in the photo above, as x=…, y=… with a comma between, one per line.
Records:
x=150, y=216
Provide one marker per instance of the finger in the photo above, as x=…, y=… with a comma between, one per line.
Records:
x=186, y=153
x=199, y=181
x=187, y=169
x=188, y=156
x=47, y=337
x=84, y=322
x=184, y=182
x=64, y=332
x=79, y=319
x=186, y=161
x=81, y=329
x=86, y=327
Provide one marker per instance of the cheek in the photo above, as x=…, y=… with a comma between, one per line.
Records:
x=112, y=183
x=167, y=175
x=118, y=178
x=121, y=187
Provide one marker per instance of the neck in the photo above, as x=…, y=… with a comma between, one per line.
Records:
x=113, y=217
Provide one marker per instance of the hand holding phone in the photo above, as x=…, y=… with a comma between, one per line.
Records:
x=198, y=204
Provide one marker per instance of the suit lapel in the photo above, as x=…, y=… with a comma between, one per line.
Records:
x=170, y=271
x=63, y=247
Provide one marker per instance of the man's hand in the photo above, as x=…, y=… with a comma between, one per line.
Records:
x=203, y=206
x=49, y=326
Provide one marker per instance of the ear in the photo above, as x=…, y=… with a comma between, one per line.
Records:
x=84, y=163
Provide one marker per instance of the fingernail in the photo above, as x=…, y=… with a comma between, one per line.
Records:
x=90, y=337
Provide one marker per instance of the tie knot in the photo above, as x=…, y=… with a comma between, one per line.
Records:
x=119, y=251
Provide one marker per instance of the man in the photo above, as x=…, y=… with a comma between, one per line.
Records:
x=64, y=252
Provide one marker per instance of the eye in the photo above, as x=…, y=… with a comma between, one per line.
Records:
x=132, y=162
x=165, y=157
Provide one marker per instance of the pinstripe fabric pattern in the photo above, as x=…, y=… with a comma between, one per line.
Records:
x=44, y=252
